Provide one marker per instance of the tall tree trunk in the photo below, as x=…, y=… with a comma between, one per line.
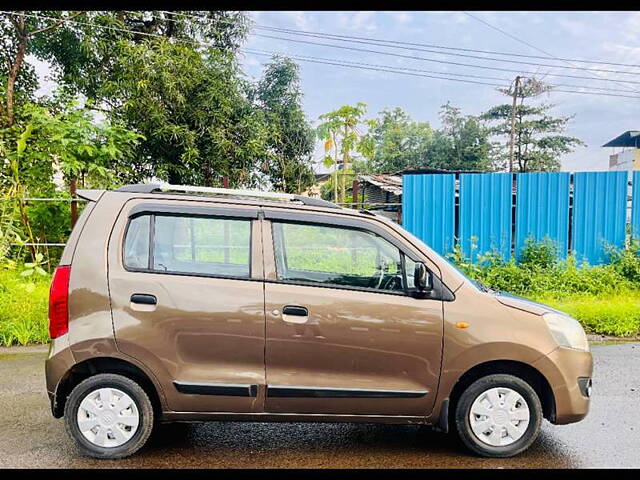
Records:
x=12, y=76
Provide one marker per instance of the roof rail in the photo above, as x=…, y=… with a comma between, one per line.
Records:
x=165, y=187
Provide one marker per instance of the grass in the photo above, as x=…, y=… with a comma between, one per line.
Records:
x=23, y=308
x=617, y=315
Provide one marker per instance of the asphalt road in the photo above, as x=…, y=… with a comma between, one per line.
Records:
x=608, y=437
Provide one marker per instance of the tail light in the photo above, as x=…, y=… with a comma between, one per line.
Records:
x=59, y=302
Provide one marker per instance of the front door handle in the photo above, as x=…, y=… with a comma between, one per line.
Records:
x=144, y=299
x=295, y=314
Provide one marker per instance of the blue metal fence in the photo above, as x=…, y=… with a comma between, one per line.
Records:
x=635, y=206
x=485, y=214
x=599, y=213
x=429, y=199
x=542, y=204
x=542, y=209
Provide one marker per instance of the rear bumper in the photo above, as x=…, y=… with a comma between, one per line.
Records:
x=569, y=374
x=58, y=363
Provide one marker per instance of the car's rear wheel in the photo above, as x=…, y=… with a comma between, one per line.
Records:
x=498, y=416
x=109, y=416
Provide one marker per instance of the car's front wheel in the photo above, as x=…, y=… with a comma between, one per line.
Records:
x=109, y=416
x=498, y=416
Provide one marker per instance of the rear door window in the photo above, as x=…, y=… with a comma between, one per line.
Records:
x=190, y=245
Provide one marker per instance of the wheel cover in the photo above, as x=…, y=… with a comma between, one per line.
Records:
x=499, y=416
x=108, y=417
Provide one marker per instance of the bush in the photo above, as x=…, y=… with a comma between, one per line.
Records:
x=604, y=298
x=23, y=308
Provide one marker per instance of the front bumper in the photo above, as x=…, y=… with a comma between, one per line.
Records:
x=569, y=375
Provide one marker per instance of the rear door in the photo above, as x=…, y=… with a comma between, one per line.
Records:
x=187, y=301
x=344, y=336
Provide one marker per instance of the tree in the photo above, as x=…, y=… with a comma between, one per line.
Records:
x=291, y=138
x=399, y=142
x=84, y=55
x=461, y=144
x=342, y=131
x=59, y=138
x=193, y=110
x=100, y=55
x=539, y=141
x=18, y=38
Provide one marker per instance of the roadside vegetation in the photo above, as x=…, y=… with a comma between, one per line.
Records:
x=604, y=298
x=141, y=95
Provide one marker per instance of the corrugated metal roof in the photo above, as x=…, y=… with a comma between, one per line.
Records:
x=630, y=138
x=388, y=183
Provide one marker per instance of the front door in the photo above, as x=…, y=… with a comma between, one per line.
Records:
x=343, y=334
x=188, y=302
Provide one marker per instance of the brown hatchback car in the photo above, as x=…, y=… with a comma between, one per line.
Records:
x=176, y=303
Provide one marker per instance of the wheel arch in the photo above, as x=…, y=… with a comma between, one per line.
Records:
x=522, y=370
x=97, y=365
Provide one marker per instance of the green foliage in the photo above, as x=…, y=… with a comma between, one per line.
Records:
x=343, y=133
x=399, y=141
x=604, y=298
x=23, y=308
x=539, y=272
x=291, y=138
x=617, y=315
x=193, y=111
x=461, y=144
x=539, y=141
x=35, y=267
x=85, y=55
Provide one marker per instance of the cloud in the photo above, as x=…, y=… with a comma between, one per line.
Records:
x=300, y=19
x=632, y=27
x=573, y=27
x=400, y=17
x=357, y=22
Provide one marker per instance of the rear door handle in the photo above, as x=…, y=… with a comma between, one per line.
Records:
x=144, y=299
x=295, y=314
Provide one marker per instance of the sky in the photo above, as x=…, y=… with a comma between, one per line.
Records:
x=601, y=36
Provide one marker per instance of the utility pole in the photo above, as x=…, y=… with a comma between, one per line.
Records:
x=513, y=122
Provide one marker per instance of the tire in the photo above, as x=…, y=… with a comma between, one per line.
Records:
x=119, y=391
x=510, y=422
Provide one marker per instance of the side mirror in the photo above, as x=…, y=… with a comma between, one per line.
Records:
x=422, y=278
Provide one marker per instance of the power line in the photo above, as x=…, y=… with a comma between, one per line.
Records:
x=328, y=36
x=481, y=77
x=434, y=60
x=398, y=42
x=385, y=43
x=379, y=68
x=382, y=68
x=524, y=42
x=597, y=77
x=330, y=62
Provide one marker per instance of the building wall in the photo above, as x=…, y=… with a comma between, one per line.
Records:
x=625, y=160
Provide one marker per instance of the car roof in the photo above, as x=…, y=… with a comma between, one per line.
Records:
x=230, y=196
